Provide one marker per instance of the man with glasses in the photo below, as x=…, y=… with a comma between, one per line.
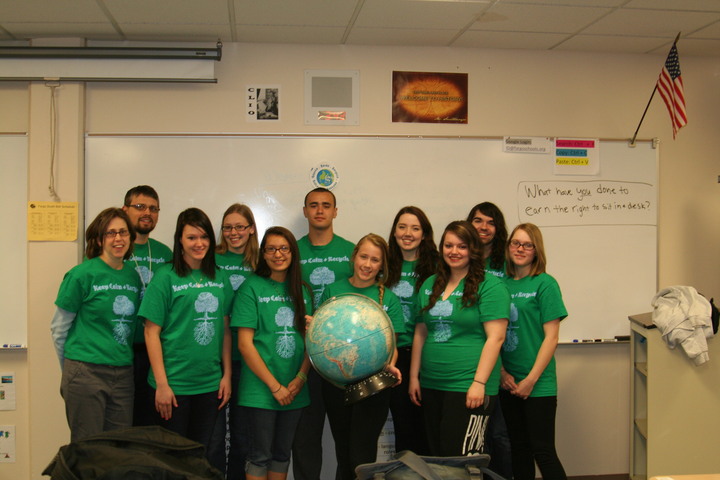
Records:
x=324, y=259
x=142, y=206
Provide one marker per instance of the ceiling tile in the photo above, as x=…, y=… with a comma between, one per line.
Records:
x=688, y=5
x=283, y=12
x=712, y=31
x=611, y=44
x=289, y=34
x=526, y=40
x=538, y=18
x=64, y=11
x=650, y=22
x=168, y=11
x=400, y=36
x=692, y=47
x=415, y=14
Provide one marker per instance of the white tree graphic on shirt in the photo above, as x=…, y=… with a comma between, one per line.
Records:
x=511, y=336
x=236, y=280
x=320, y=277
x=204, y=331
x=124, y=307
x=442, y=308
x=285, y=344
x=404, y=291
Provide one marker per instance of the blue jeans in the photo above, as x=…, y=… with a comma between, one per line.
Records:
x=271, y=437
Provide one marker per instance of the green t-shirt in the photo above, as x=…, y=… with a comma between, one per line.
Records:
x=500, y=273
x=390, y=303
x=146, y=259
x=238, y=271
x=190, y=310
x=456, y=335
x=266, y=306
x=535, y=300
x=105, y=302
x=405, y=291
x=326, y=264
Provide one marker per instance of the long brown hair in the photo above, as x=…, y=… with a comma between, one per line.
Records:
x=294, y=273
x=497, y=251
x=252, y=251
x=476, y=271
x=198, y=219
x=428, y=257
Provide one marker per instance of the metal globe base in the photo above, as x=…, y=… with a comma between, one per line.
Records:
x=369, y=387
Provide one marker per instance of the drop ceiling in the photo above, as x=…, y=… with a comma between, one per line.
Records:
x=613, y=26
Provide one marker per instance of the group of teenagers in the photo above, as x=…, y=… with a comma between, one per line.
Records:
x=207, y=339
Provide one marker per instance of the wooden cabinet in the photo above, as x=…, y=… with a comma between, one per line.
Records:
x=674, y=405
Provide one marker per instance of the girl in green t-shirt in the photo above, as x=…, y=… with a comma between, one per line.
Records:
x=454, y=371
x=529, y=396
x=237, y=254
x=93, y=329
x=186, y=309
x=412, y=258
x=356, y=428
x=269, y=312
x=489, y=222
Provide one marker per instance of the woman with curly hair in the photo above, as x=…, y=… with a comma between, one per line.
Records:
x=454, y=372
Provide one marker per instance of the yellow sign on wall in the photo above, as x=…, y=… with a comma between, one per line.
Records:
x=52, y=221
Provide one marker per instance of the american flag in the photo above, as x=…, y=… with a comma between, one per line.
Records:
x=670, y=86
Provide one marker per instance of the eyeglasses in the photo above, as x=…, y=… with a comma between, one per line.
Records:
x=141, y=207
x=114, y=233
x=526, y=246
x=271, y=250
x=239, y=228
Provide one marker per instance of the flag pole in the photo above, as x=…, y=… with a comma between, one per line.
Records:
x=632, y=142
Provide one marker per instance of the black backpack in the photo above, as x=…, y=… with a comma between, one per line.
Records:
x=138, y=453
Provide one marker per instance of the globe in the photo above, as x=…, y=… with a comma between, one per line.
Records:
x=349, y=342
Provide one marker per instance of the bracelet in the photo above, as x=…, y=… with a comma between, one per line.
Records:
x=478, y=381
x=302, y=376
x=278, y=389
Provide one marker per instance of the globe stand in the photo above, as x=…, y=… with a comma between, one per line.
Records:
x=369, y=387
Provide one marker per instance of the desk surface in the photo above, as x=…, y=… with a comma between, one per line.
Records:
x=645, y=320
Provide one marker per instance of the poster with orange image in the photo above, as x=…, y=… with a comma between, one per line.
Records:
x=427, y=97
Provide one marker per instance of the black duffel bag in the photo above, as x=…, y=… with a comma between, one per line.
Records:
x=409, y=466
x=138, y=453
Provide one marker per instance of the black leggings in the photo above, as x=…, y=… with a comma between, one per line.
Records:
x=453, y=429
x=355, y=428
x=531, y=425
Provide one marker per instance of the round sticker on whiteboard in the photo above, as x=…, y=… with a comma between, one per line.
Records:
x=324, y=176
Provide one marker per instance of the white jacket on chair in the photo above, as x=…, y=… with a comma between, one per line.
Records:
x=683, y=316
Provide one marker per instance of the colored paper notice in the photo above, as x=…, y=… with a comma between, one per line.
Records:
x=52, y=221
x=7, y=443
x=577, y=156
x=555, y=204
x=7, y=391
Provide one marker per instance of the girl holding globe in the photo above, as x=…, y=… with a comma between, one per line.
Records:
x=412, y=258
x=454, y=372
x=356, y=428
x=269, y=312
x=237, y=254
x=93, y=329
x=529, y=382
x=186, y=308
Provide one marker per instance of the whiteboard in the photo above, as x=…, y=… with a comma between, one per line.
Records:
x=13, y=285
x=601, y=247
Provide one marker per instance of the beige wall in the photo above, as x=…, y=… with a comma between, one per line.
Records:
x=511, y=93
